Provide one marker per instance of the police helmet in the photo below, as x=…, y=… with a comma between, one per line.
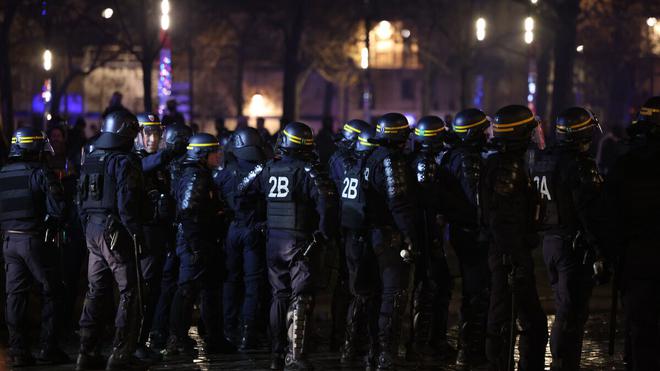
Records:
x=200, y=146
x=247, y=144
x=349, y=132
x=149, y=124
x=119, y=129
x=575, y=124
x=430, y=131
x=29, y=142
x=296, y=136
x=514, y=123
x=364, y=139
x=470, y=125
x=392, y=128
x=648, y=117
x=176, y=138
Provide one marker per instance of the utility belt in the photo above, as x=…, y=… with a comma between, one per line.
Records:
x=26, y=233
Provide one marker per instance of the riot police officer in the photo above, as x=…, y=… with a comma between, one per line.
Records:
x=509, y=207
x=158, y=220
x=390, y=217
x=29, y=195
x=300, y=200
x=338, y=162
x=245, y=243
x=463, y=164
x=176, y=137
x=432, y=282
x=111, y=191
x=360, y=259
x=631, y=203
x=197, y=207
x=569, y=184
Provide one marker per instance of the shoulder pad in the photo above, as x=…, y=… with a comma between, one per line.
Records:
x=250, y=177
x=319, y=177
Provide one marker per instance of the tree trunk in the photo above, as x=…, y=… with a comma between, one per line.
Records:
x=6, y=91
x=239, y=97
x=542, y=76
x=147, y=66
x=562, y=94
x=426, y=88
x=465, y=86
x=328, y=97
x=292, y=64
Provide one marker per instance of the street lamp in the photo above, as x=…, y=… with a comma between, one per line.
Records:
x=48, y=60
x=364, y=58
x=651, y=21
x=580, y=48
x=529, y=30
x=107, y=13
x=534, y=1
x=165, y=14
x=481, y=29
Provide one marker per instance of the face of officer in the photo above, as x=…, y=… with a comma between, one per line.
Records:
x=213, y=159
x=151, y=139
x=56, y=139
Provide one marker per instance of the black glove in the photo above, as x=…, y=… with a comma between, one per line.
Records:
x=196, y=257
x=601, y=271
x=408, y=253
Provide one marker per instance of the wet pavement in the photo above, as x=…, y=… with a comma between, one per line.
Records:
x=594, y=354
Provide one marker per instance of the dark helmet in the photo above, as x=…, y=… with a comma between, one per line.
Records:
x=392, y=128
x=247, y=144
x=201, y=145
x=365, y=139
x=470, y=124
x=296, y=136
x=648, y=117
x=575, y=124
x=350, y=130
x=148, y=120
x=176, y=137
x=514, y=123
x=119, y=129
x=29, y=142
x=430, y=130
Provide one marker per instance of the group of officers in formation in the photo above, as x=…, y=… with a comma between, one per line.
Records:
x=173, y=219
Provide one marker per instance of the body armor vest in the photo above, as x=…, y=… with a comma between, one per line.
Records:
x=353, y=200
x=285, y=208
x=239, y=200
x=97, y=189
x=17, y=200
x=544, y=175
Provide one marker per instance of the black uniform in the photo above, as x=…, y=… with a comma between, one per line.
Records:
x=300, y=199
x=510, y=206
x=29, y=193
x=632, y=201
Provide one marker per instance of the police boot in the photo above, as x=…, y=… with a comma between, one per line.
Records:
x=218, y=345
x=22, y=359
x=89, y=357
x=178, y=346
x=298, y=318
x=121, y=357
x=472, y=334
x=147, y=354
x=387, y=336
x=420, y=349
x=248, y=338
x=276, y=362
x=53, y=355
x=355, y=314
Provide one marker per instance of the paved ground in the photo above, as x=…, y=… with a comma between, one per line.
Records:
x=594, y=351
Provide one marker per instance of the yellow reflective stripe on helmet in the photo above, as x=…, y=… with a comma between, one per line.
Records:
x=463, y=128
x=502, y=130
x=150, y=123
x=429, y=133
x=648, y=111
x=298, y=140
x=193, y=145
x=513, y=124
x=366, y=142
x=348, y=127
x=581, y=126
x=15, y=140
x=393, y=129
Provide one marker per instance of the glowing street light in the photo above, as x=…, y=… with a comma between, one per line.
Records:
x=165, y=14
x=364, y=58
x=107, y=13
x=534, y=1
x=529, y=30
x=580, y=48
x=481, y=29
x=651, y=21
x=384, y=30
x=48, y=60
